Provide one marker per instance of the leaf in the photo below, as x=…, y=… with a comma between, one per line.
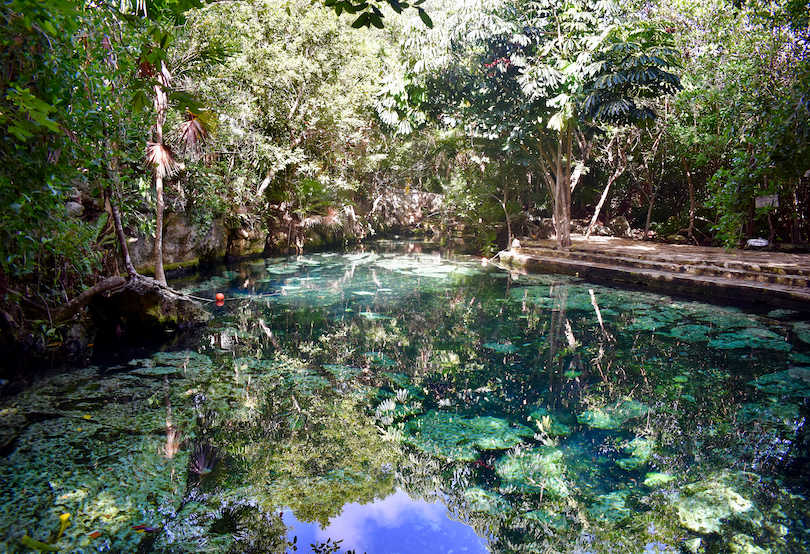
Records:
x=49, y=28
x=376, y=20
x=425, y=18
x=362, y=21
x=557, y=121
x=139, y=101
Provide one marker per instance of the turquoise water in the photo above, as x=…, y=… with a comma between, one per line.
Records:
x=401, y=399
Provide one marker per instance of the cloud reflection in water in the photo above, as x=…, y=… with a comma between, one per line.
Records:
x=394, y=525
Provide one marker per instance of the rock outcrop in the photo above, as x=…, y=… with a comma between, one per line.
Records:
x=143, y=307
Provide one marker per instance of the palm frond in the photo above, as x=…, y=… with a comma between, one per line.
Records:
x=162, y=158
x=311, y=221
x=195, y=132
x=332, y=219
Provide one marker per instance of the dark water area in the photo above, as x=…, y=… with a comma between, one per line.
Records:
x=403, y=398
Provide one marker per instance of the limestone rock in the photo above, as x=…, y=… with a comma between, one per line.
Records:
x=549, y=423
x=705, y=506
x=619, y=226
x=655, y=479
x=484, y=501
x=182, y=242
x=144, y=307
x=611, y=509
x=744, y=544
x=74, y=209
x=457, y=438
x=640, y=449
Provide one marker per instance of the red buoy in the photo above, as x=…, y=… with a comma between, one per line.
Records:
x=220, y=297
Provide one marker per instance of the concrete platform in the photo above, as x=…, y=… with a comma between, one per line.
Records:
x=714, y=274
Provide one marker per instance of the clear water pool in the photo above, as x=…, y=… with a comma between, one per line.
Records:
x=400, y=399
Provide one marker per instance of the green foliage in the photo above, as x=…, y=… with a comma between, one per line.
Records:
x=522, y=79
x=631, y=65
x=741, y=121
x=51, y=86
x=293, y=89
x=371, y=13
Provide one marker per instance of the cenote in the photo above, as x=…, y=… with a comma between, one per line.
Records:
x=398, y=398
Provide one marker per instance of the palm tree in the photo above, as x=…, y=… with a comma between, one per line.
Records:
x=192, y=135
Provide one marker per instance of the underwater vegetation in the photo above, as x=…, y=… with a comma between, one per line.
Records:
x=546, y=413
x=203, y=460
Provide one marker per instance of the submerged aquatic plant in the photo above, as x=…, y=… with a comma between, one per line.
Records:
x=64, y=521
x=204, y=459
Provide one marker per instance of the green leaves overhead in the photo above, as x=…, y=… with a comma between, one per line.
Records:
x=370, y=12
x=628, y=66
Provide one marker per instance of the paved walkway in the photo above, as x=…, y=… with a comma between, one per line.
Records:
x=763, y=277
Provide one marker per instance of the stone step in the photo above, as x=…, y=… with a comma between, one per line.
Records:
x=743, y=270
x=661, y=276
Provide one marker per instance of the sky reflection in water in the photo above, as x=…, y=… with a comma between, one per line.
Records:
x=394, y=525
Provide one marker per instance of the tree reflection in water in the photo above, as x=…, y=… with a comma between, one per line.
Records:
x=547, y=414
x=617, y=392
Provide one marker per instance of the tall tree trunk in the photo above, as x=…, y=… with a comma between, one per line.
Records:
x=506, y=214
x=649, y=213
x=620, y=167
x=555, y=168
x=562, y=201
x=796, y=233
x=601, y=203
x=112, y=171
x=690, y=231
x=122, y=241
x=650, y=197
x=161, y=104
x=160, y=276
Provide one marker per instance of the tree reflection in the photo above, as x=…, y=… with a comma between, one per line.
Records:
x=542, y=351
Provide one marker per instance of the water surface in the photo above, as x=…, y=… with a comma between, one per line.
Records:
x=399, y=398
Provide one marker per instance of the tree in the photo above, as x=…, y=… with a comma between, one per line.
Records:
x=538, y=78
x=371, y=13
x=739, y=126
x=297, y=141
x=50, y=86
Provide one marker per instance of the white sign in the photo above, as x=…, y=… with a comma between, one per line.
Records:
x=767, y=201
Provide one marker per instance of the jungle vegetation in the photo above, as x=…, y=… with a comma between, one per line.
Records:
x=685, y=117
